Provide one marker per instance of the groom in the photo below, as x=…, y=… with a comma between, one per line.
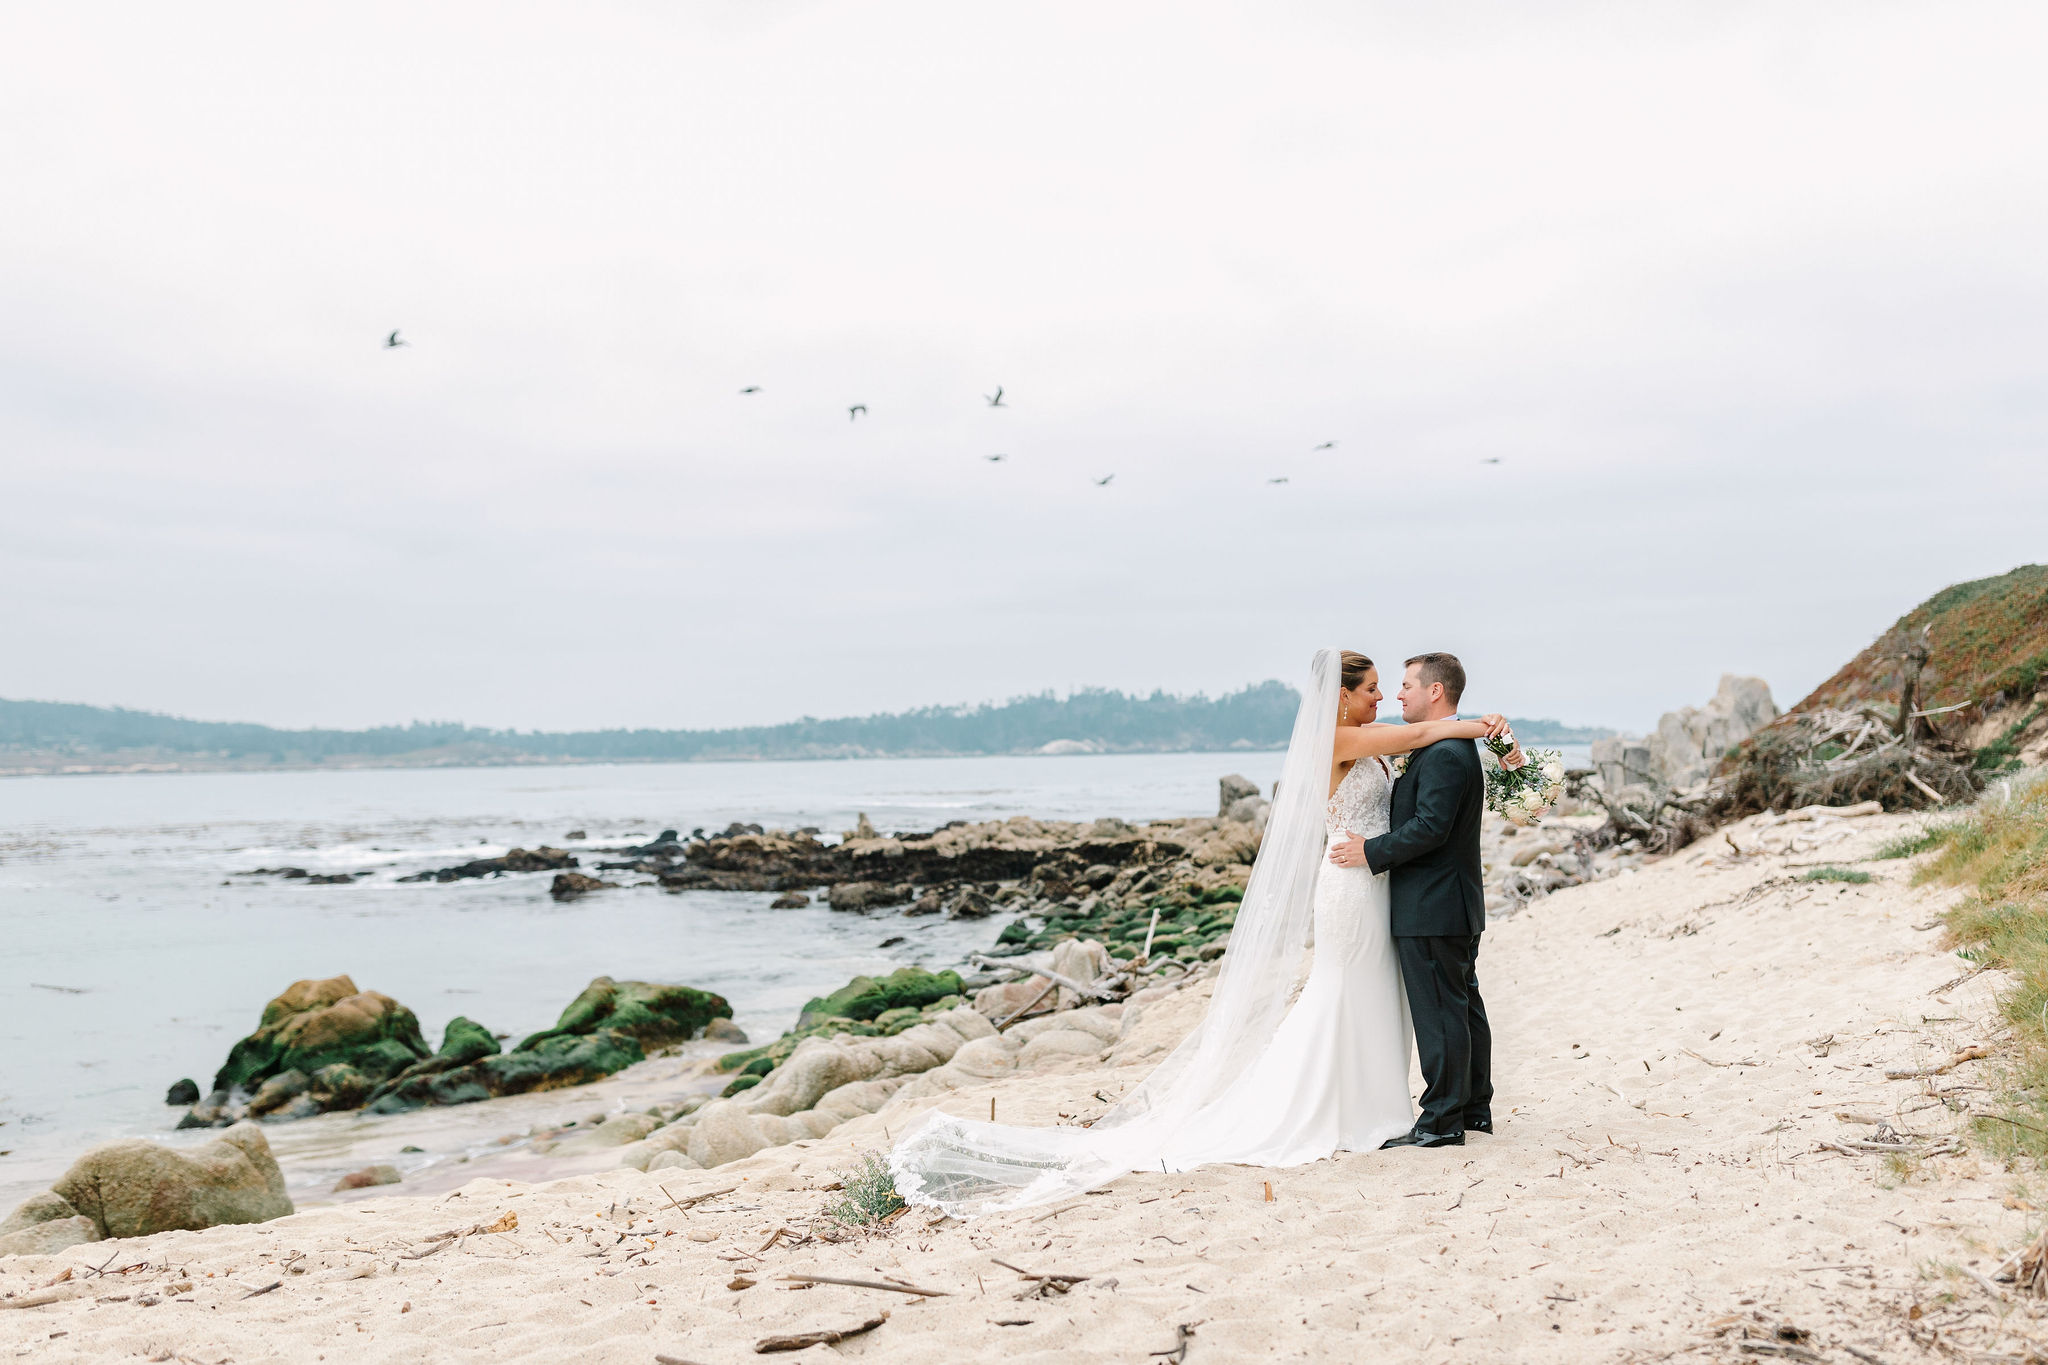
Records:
x=1439, y=909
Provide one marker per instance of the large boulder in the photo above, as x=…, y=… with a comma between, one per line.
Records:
x=1690, y=741
x=1233, y=789
x=133, y=1187
x=317, y=1023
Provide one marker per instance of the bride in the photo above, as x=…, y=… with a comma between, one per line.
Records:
x=1258, y=1081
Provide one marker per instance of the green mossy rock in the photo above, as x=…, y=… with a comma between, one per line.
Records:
x=739, y=1083
x=654, y=1015
x=559, y=1060
x=607, y=1028
x=899, y=1019
x=317, y=1023
x=1016, y=931
x=864, y=997
x=341, y=1086
x=466, y=1041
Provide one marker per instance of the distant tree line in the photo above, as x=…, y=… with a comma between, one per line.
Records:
x=1258, y=717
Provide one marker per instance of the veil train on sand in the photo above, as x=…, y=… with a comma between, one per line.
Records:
x=968, y=1166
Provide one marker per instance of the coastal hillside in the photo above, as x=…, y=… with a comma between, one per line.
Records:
x=1985, y=675
x=1987, y=640
x=61, y=736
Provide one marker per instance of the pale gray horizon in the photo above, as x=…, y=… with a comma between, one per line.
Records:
x=1746, y=301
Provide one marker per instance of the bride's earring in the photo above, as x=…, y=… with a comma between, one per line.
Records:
x=1344, y=706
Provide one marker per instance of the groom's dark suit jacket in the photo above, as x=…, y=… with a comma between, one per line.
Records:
x=1434, y=840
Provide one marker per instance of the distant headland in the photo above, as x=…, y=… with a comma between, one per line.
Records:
x=39, y=737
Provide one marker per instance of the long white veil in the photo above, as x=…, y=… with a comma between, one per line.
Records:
x=967, y=1166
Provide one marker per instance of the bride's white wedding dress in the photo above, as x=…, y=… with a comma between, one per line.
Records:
x=1335, y=1077
x=1258, y=1080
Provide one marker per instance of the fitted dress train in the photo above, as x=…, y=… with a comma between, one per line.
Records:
x=1335, y=1076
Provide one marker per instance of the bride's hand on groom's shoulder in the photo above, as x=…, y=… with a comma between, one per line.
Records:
x=1495, y=723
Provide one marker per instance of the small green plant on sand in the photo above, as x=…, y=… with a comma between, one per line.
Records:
x=870, y=1193
x=1836, y=874
x=1906, y=845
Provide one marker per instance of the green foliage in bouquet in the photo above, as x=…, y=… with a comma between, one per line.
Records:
x=1520, y=795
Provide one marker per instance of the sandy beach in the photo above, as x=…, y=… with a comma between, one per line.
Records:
x=1675, y=1044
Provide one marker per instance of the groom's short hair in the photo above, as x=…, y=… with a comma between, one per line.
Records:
x=1445, y=669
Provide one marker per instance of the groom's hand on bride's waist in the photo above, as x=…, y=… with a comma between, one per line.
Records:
x=1348, y=851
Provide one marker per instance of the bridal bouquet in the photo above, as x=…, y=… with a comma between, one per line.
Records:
x=1522, y=794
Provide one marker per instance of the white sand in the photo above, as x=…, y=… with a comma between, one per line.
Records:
x=1638, y=1199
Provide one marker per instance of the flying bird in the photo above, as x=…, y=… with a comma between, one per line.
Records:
x=995, y=400
x=751, y=388
x=1101, y=482
x=394, y=341
x=993, y=458
x=1282, y=479
x=853, y=413
x=1491, y=459
x=1327, y=445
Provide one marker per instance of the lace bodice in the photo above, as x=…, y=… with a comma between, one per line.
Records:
x=1360, y=803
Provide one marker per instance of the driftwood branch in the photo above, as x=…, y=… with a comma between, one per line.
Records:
x=871, y=1284
x=1968, y=1054
x=1050, y=987
x=797, y=1341
x=685, y=1205
x=1783, y=1349
x=1093, y=992
x=1178, y=1352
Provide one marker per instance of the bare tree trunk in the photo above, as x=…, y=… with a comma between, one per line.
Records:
x=1913, y=660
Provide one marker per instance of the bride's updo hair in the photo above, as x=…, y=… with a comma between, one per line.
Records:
x=1352, y=668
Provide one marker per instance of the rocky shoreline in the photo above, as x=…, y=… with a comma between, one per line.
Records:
x=1103, y=917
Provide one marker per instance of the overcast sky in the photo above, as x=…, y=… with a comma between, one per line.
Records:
x=1746, y=300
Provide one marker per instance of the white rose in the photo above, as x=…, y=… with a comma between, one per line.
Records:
x=1553, y=769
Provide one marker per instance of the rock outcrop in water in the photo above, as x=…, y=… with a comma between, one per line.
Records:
x=133, y=1188
x=567, y=886
x=323, y=1046
x=320, y=1045
x=542, y=859
x=1057, y=879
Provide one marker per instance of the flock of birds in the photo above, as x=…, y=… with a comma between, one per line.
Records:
x=995, y=400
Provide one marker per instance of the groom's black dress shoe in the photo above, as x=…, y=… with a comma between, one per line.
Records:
x=1484, y=1125
x=1412, y=1138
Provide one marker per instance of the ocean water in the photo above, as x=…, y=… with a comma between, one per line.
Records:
x=136, y=953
